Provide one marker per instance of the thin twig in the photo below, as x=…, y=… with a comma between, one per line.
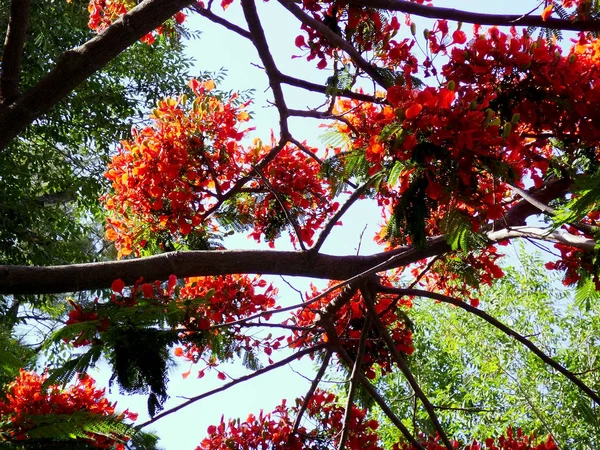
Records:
x=345, y=357
x=340, y=212
x=336, y=41
x=255, y=374
x=313, y=387
x=219, y=20
x=284, y=208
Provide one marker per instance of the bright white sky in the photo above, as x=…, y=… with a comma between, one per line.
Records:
x=218, y=48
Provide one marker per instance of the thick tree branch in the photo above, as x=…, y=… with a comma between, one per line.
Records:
x=82, y=277
x=499, y=325
x=76, y=65
x=508, y=20
x=13, y=50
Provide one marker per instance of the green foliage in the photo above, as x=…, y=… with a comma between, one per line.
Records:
x=410, y=214
x=69, y=369
x=459, y=232
x=586, y=293
x=586, y=198
x=69, y=431
x=53, y=173
x=13, y=356
x=140, y=361
x=340, y=80
x=482, y=381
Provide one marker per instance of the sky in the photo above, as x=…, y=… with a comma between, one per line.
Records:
x=218, y=48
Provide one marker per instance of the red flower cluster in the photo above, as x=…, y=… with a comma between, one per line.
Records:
x=205, y=302
x=173, y=172
x=505, y=99
x=26, y=397
x=274, y=430
x=180, y=170
x=366, y=28
x=506, y=442
x=104, y=12
x=450, y=276
x=349, y=322
x=230, y=298
x=292, y=181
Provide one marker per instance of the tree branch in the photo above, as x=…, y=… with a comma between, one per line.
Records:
x=546, y=234
x=508, y=20
x=13, y=50
x=239, y=380
x=338, y=215
x=345, y=357
x=207, y=13
x=262, y=47
x=336, y=41
x=83, y=277
x=356, y=369
x=314, y=87
x=78, y=64
x=311, y=390
x=403, y=366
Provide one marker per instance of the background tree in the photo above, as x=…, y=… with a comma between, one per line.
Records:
x=482, y=381
x=507, y=131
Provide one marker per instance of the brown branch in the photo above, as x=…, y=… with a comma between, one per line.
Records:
x=345, y=357
x=336, y=41
x=239, y=380
x=356, y=369
x=207, y=13
x=338, y=215
x=502, y=327
x=545, y=234
x=518, y=214
x=508, y=20
x=314, y=87
x=78, y=64
x=262, y=47
x=82, y=277
x=313, y=387
x=403, y=366
x=13, y=50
